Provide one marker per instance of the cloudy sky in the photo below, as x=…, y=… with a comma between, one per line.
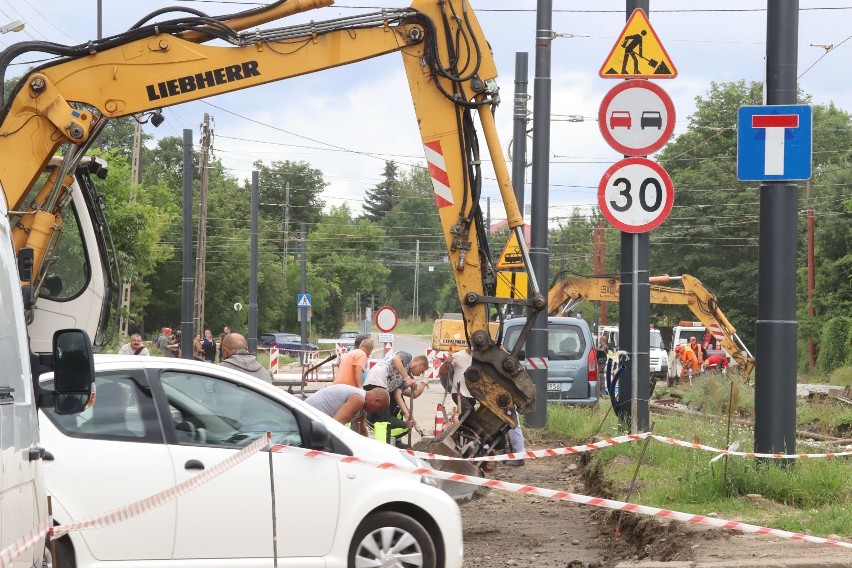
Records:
x=347, y=121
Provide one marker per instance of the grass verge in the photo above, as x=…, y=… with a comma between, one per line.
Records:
x=809, y=496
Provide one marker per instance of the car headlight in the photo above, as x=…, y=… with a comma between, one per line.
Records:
x=417, y=462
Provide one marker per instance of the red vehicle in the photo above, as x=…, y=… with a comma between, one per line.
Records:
x=620, y=118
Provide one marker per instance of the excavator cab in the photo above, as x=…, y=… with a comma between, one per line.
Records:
x=76, y=287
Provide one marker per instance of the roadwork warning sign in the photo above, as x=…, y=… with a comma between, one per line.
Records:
x=638, y=53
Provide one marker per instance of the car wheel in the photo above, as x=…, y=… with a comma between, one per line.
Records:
x=392, y=539
x=64, y=554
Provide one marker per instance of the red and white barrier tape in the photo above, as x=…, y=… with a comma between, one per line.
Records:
x=621, y=440
x=17, y=548
x=538, y=453
x=135, y=509
x=676, y=442
x=567, y=496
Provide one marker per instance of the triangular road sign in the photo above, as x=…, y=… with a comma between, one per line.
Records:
x=638, y=53
x=512, y=284
x=511, y=257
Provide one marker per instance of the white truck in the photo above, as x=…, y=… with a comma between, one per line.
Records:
x=23, y=501
x=657, y=357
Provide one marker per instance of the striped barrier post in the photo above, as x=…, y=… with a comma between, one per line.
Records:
x=273, y=360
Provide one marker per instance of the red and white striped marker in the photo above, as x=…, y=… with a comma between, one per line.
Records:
x=717, y=332
x=388, y=347
x=438, y=173
x=273, y=360
x=537, y=362
x=439, y=420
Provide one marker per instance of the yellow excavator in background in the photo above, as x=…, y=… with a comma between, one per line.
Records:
x=62, y=106
x=568, y=292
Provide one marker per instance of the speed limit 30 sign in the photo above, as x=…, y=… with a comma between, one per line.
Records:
x=635, y=195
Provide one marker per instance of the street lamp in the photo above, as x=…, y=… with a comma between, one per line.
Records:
x=13, y=26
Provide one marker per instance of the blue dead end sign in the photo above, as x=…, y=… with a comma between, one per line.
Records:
x=774, y=143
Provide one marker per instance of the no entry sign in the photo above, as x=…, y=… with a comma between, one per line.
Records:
x=635, y=195
x=386, y=319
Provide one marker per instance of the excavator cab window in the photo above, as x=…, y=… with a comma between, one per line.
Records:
x=68, y=271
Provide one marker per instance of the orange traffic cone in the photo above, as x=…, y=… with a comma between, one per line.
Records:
x=439, y=420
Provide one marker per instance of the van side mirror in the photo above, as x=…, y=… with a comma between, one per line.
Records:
x=73, y=371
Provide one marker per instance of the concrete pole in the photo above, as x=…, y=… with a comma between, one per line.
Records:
x=775, y=331
x=537, y=341
x=186, y=327
x=252, y=311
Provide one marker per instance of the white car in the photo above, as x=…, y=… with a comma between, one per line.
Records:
x=158, y=421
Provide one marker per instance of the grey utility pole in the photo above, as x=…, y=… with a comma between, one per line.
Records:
x=634, y=316
x=303, y=311
x=252, y=311
x=519, y=127
x=537, y=342
x=186, y=328
x=415, y=312
x=775, y=331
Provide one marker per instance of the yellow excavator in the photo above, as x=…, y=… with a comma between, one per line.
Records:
x=58, y=109
x=569, y=291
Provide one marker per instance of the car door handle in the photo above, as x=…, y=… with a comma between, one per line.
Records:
x=193, y=464
x=35, y=454
x=6, y=396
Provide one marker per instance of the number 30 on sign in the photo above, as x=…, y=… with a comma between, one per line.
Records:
x=635, y=195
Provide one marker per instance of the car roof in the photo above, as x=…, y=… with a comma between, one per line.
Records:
x=550, y=319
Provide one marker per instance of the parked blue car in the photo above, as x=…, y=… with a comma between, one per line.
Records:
x=287, y=343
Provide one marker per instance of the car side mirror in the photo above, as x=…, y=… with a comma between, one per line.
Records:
x=73, y=371
x=320, y=437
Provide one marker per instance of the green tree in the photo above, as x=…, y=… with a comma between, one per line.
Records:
x=380, y=200
x=712, y=232
x=117, y=137
x=415, y=218
x=306, y=185
x=346, y=251
x=139, y=218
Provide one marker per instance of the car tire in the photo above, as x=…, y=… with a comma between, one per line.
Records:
x=64, y=554
x=390, y=535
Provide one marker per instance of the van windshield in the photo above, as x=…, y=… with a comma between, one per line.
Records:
x=656, y=340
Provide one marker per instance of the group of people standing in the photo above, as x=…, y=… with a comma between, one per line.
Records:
x=232, y=350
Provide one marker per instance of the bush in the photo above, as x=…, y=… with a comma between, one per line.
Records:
x=833, y=345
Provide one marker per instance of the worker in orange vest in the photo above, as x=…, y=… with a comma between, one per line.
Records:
x=688, y=363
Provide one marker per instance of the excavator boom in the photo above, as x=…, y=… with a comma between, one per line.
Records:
x=566, y=293
x=451, y=75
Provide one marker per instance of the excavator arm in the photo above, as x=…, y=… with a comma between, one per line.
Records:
x=567, y=292
x=451, y=74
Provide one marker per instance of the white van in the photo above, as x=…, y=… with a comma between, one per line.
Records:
x=658, y=359
x=23, y=501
